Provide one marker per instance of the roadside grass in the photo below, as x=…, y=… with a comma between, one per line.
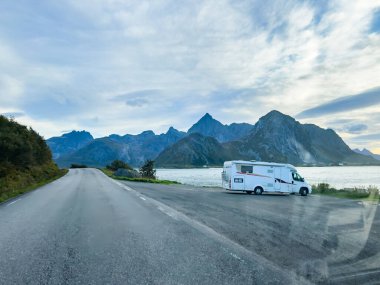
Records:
x=145, y=180
x=370, y=193
x=22, y=190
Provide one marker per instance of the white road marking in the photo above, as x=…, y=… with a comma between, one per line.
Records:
x=13, y=202
x=142, y=198
x=127, y=188
x=241, y=250
x=169, y=213
x=176, y=215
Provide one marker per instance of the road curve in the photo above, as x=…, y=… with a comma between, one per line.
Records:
x=86, y=228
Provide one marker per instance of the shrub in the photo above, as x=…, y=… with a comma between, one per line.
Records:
x=25, y=159
x=74, y=165
x=147, y=170
x=373, y=190
x=321, y=188
x=116, y=164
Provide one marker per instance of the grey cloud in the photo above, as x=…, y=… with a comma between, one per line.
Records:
x=340, y=121
x=348, y=126
x=137, y=98
x=354, y=128
x=369, y=137
x=136, y=102
x=342, y=104
x=13, y=114
x=136, y=94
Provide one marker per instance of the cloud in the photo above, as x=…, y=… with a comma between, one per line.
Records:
x=365, y=99
x=368, y=137
x=13, y=114
x=139, y=65
x=136, y=102
x=354, y=128
x=137, y=98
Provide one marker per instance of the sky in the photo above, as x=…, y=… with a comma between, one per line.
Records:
x=114, y=66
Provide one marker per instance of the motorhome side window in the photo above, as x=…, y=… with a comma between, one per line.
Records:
x=246, y=168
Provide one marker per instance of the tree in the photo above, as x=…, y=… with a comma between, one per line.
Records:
x=116, y=164
x=147, y=170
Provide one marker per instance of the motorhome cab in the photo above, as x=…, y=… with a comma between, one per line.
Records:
x=259, y=177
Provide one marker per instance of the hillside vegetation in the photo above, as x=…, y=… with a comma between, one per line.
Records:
x=25, y=159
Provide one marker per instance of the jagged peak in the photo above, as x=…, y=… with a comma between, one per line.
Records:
x=76, y=132
x=207, y=116
x=205, y=122
x=172, y=130
x=276, y=115
x=82, y=133
x=147, y=133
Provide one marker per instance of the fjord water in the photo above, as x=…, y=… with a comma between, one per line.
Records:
x=337, y=176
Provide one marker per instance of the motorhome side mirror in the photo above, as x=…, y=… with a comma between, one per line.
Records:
x=292, y=182
x=302, y=180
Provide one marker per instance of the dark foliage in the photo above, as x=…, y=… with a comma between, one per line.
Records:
x=78, y=165
x=117, y=164
x=21, y=147
x=25, y=159
x=147, y=170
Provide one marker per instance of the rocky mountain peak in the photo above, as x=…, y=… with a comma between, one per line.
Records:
x=275, y=116
x=171, y=130
x=206, y=116
x=69, y=142
x=206, y=125
x=206, y=120
x=78, y=134
x=147, y=133
x=367, y=152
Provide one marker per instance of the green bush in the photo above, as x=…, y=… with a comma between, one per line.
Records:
x=21, y=147
x=74, y=165
x=321, y=188
x=25, y=159
x=147, y=170
x=146, y=180
x=353, y=193
x=116, y=164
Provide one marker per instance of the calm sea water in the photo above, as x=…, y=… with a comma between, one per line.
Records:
x=336, y=176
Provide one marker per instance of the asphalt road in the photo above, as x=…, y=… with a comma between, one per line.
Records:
x=88, y=229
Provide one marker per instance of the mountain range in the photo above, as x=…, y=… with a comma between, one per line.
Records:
x=366, y=152
x=134, y=149
x=275, y=137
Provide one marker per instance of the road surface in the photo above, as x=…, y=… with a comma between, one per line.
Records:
x=86, y=228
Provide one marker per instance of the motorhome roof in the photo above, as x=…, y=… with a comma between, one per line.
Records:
x=262, y=163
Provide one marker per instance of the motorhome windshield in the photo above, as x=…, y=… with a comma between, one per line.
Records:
x=297, y=177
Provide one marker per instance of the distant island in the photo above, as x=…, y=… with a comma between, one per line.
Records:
x=275, y=137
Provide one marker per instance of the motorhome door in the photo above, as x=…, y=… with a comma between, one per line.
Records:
x=277, y=178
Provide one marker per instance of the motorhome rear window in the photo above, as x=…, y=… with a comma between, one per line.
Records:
x=246, y=168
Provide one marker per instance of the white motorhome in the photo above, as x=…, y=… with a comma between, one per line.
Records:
x=258, y=177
